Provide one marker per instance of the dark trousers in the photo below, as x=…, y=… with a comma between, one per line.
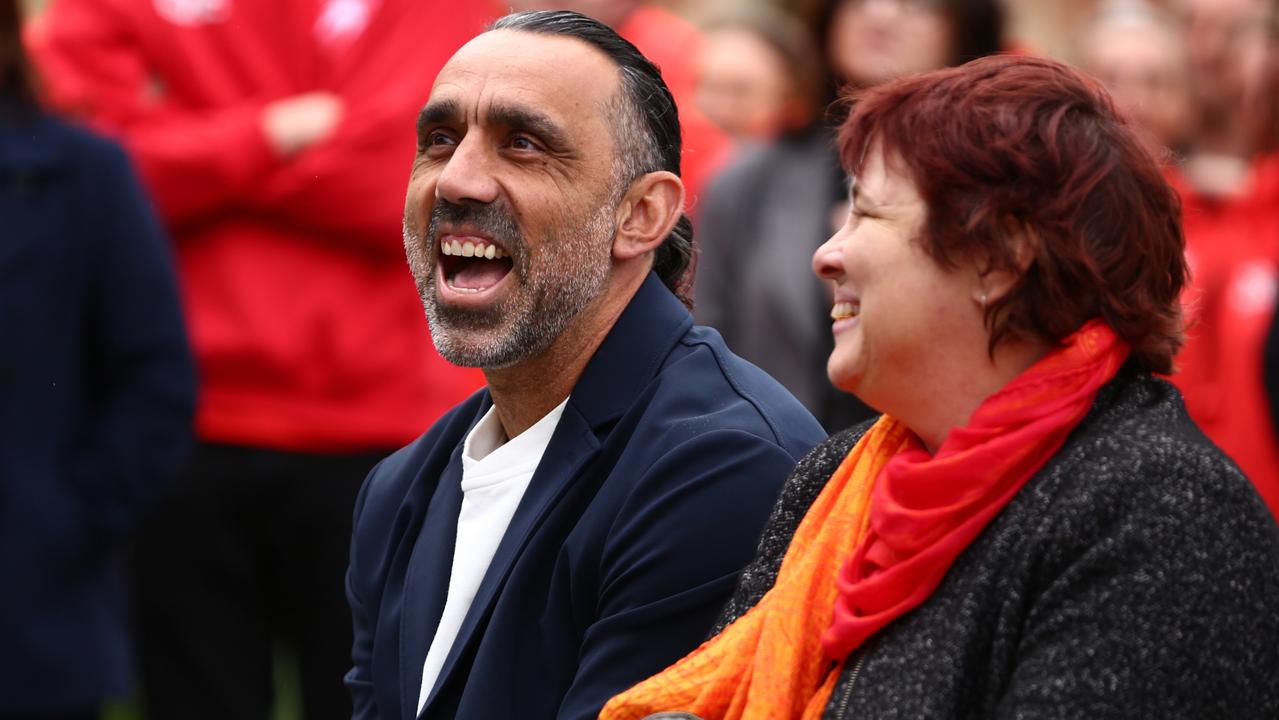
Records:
x=250, y=551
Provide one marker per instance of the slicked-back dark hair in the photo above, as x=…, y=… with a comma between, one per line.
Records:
x=646, y=127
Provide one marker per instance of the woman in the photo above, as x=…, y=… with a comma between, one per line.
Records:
x=766, y=213
x=1034, y=527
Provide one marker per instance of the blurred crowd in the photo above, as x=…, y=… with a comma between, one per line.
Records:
x=273, y=152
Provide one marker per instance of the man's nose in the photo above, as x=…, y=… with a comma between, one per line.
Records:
x=469, y=174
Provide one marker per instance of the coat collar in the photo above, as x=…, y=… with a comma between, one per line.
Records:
x=631, y=353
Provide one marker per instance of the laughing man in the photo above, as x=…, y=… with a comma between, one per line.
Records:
x=575, y=526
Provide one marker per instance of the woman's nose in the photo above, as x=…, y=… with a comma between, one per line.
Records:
x=828, y=260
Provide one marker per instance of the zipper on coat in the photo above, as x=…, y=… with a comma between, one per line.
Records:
x=847, y=695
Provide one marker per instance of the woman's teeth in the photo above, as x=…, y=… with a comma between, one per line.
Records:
x=472, y=249
x=844, y=310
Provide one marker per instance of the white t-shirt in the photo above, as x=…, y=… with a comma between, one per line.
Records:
x=495, y=474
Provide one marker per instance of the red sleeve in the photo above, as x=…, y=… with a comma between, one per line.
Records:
x=352, y=187
x=93, y=63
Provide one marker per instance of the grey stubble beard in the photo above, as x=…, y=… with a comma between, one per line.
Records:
x=553, y=288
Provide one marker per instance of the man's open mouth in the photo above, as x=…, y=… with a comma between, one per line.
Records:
x=472, y=264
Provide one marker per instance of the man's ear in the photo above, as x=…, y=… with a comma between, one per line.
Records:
x=651, y=207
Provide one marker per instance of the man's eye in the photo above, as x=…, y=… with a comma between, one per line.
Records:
x=521, y=142
x=438, y=138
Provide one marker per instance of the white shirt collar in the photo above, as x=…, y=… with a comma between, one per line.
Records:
x=486, y=449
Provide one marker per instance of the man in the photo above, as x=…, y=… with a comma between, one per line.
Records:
x=270, y=135
x=576, y=525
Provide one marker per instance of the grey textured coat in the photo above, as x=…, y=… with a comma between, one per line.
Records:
x=1135, y=576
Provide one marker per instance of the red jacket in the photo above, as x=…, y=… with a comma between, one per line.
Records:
x=307, y=326
x=1232, y=246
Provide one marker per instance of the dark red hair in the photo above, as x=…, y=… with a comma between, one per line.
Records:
x=1010, y=147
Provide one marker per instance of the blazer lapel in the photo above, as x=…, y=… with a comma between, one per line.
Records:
x=615, y=377
x=427, y=580
x=572, y=445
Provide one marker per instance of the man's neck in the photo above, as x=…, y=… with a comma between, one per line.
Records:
x=526, y=391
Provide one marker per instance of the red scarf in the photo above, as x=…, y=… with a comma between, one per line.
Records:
x=926, y=509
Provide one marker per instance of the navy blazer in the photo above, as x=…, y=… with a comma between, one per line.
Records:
x=96, y=395
x=647, y=503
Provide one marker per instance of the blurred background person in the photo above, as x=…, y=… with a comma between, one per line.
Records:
x=275, y=138
x=1140, y=55
x=769, y=210
x=675, y=45
x=1221, y=36
x=1229, y=187
x=97, y=390
x=760, y=75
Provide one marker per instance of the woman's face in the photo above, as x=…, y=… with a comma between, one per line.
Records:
x=876, y=40
x=899, y=317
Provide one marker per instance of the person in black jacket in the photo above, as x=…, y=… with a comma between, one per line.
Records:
x=1034, y=527
x=96, y=395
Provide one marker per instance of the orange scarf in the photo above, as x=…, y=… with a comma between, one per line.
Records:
x=894, y=519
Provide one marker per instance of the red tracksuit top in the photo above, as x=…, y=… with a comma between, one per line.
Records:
x=308, y=330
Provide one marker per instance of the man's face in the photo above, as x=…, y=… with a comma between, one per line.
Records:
x=510, y=214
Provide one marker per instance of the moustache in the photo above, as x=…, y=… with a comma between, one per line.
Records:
x=491, y=219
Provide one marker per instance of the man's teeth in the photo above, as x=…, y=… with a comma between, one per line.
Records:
x=844, y=310
x=472, y=249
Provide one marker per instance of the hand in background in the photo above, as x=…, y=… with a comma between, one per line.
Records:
x=295, y=123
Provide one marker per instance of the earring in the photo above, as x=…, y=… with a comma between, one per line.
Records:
x=982, y=302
